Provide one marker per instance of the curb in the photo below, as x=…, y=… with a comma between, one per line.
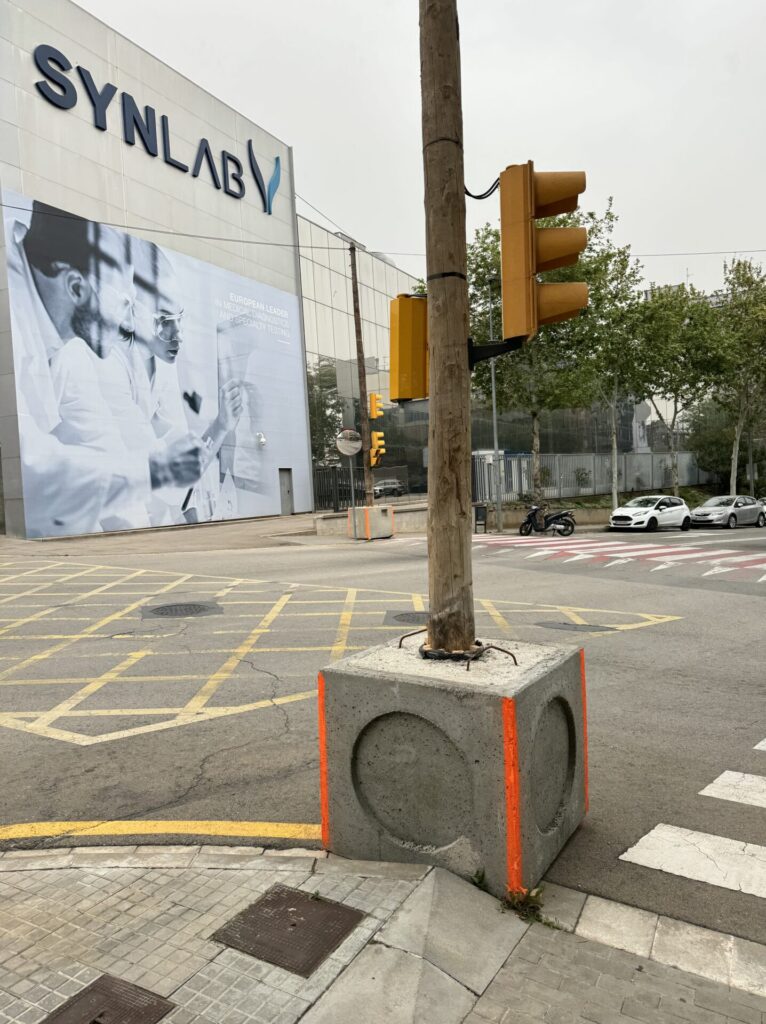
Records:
x=717, y=956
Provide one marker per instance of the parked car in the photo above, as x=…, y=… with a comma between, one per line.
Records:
x=730, y=511
x=385, y=487
x=651, y=512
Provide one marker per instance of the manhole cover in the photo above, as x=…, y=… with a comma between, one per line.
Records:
x=112, y=1001
x=406, y=619
x=182, y=611
x=289, y=928
x=576, y=627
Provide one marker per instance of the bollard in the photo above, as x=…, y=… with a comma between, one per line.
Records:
x=482, y=771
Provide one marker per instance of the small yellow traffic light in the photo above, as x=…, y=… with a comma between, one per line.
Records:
x=376, y=401
x=409, y=347
x=377, y=447
x=526, y=250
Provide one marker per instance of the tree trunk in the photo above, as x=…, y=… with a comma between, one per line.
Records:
x=735, y=449
x=364, y=408
x=537, y=484
x=613, y=439
x=450, y=512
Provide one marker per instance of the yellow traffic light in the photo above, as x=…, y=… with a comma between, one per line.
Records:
x=409, y=347
x=526, y=250
x=376, y=401
x=377, y=447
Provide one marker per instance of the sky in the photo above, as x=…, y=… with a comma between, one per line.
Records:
x=658, y=101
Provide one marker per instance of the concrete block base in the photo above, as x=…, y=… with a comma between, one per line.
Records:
x=482, y=772
x=372, y=522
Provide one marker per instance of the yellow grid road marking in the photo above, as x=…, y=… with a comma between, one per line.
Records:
x=229, y=666
x=135, y=827
x=341, y=640
x=497, y=618
x=37, y=615
x=31, y=572
x=67, y=706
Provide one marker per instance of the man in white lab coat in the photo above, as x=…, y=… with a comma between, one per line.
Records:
x=71, y=285
x=141, y=375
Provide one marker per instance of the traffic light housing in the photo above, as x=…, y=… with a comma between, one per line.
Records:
x=377, y=447
x=376, y=401
x=409, y=348
x=527, y=250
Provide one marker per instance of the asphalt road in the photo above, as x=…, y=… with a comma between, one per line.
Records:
x=110, y=716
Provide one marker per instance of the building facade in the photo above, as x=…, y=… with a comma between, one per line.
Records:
x=152, y=364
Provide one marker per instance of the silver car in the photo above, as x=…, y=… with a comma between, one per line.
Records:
x=730, y=511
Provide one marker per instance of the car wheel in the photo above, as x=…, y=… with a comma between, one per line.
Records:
x=731, y=522
x=761, y=520
x=651, y=526
x=686, y=524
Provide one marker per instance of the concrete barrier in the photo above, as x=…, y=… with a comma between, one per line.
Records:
x=372, y=522
x=483, y=772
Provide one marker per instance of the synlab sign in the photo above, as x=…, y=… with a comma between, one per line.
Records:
x=60, y=90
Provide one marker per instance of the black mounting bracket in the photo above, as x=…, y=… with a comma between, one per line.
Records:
x=478, y=353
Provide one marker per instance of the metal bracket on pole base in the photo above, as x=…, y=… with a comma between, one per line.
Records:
x=439, y=654
x=478, y=353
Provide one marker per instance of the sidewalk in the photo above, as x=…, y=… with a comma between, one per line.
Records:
x=429, y=948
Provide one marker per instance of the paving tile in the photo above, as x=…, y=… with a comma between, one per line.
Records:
x=748, y=966
x=389, y=986
x=617, y=925
x=459, y=929
x=372, y=868
x=227, y=856
x=103, y=856
x=165, y=856
x=697, y=950
x=561, y=906
x=295, y=851
x=34, y=860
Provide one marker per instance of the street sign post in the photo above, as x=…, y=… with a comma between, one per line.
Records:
x=349, y=442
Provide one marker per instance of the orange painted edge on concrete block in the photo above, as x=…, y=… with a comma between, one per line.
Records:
x=324, y=796
x=584, y=728
x=512, y=798
x=367, y=523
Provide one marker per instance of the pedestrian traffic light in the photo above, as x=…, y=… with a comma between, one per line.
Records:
x=377, y=447
x=527, y=250
x=409, y=347
x=376, y=401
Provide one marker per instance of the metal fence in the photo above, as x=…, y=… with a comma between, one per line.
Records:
x=570, y=476
x=332, y=488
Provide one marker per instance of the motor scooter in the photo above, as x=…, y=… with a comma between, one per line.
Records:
x=538, y=521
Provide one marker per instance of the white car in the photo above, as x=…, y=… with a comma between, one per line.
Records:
x=651, y=512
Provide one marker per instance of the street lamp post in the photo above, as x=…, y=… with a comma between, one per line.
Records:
x=496, y=455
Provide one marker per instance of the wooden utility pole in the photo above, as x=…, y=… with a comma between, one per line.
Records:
x=364, y=408
x=451, y=623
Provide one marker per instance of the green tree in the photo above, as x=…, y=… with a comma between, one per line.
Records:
x=741, y=384
x=679, y=355
x=325, y=409
x=572, y=364
x=709, y=429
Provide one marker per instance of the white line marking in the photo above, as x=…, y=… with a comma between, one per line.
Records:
x=739, y=788
x=617, y=561
x=537, y=554
x=701, y=555
x=733, y=558
x=760, y=746
x=665, y=565
x=720, y=568
x=578, y=558
x=727, y=863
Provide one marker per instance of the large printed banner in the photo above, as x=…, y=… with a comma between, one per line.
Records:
x=152, y=388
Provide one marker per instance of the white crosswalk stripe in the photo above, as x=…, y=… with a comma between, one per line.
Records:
x=607, y=553
x=727, y=863
x=738, y=788
x=719, y=860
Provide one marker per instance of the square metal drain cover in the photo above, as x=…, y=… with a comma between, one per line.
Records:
x=289, y=928
x=406, y=618
x=110, y=1000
